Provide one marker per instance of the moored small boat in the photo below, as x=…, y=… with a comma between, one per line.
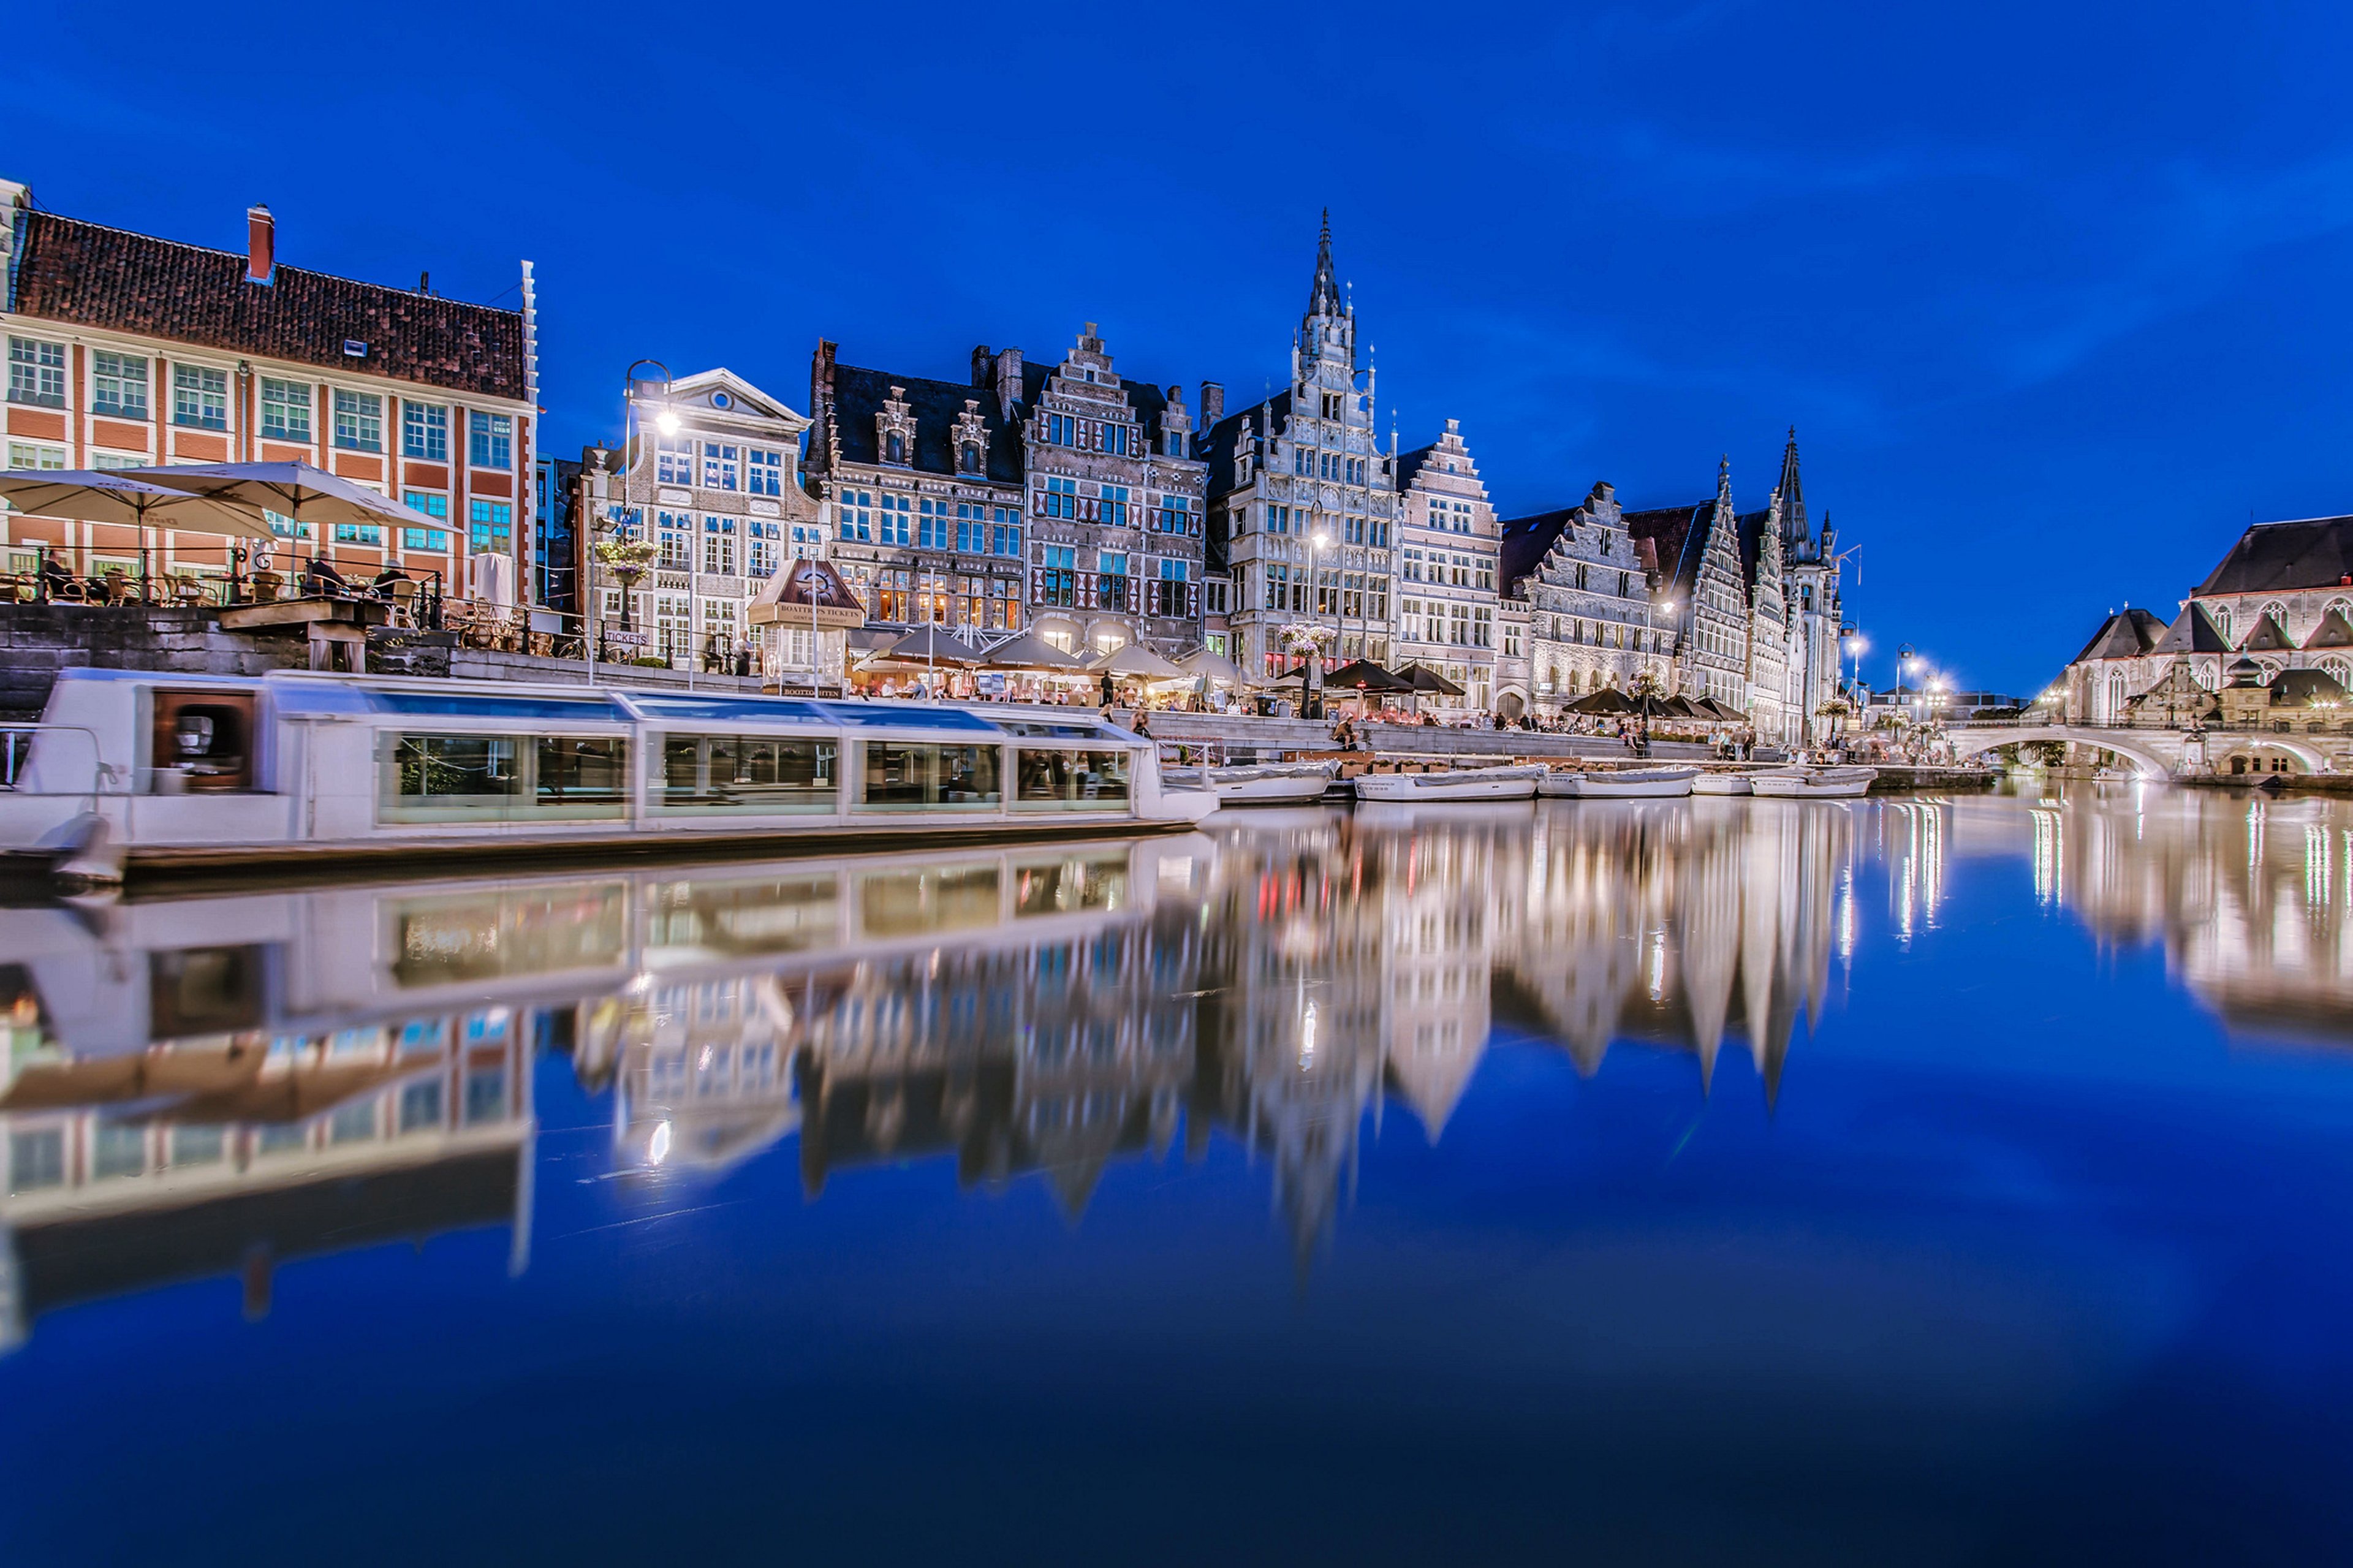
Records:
x=1623, y=784
x=1813, y=784
x=1454, y=784
x=1721, y=783
x=1265, y=783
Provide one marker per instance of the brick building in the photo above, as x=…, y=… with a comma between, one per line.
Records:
x=126, y=351
x=1446, y=582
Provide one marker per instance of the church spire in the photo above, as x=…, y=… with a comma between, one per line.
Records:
x=1324, y=298
x=1793, y=498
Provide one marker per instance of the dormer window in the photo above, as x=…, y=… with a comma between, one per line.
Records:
x=968, y=458
x=894, y=449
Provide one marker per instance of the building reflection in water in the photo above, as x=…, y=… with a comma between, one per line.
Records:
x=208, y=1086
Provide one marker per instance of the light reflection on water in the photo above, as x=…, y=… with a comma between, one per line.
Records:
x=213, y=1088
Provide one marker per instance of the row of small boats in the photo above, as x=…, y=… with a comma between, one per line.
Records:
x=1292, y=784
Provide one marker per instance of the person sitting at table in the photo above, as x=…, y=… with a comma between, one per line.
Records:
x=323, y=579
x=393, y=573
x=57, y=582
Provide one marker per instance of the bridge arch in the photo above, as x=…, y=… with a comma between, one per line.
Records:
x=2148, y=759
x=2247, y=743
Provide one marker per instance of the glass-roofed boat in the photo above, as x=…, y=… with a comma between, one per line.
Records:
x=162, y=773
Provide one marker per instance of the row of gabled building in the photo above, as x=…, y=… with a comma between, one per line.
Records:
x=1060, y=497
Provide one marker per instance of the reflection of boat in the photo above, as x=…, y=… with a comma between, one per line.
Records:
x=1394, y=816
x=1269, y=783
x=1455, y=783
x=1720, y=784
x=196, y=773
x=1813, y=784
x=1624, y=783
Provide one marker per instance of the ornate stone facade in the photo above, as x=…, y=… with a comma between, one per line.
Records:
x=1302, y=502
x=1814, y=606
x=1447, y=565
x=1585, y=580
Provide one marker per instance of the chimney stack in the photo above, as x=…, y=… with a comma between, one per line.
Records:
x=260, y=245
x=1213, y=403
x=1008, y=380
x=984, y=365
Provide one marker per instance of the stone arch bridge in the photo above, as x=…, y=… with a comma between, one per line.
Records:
x=2154, y=754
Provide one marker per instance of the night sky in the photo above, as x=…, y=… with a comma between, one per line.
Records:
x=2053, y=294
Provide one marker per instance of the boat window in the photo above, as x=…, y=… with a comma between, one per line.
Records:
x=905, y=716
x=745, y=774
x=455, y=705
x=1071, y=886
x=1065, y=730
x=795, y=914
x=948, y=778
x=473, y=778
x=203, y=742
x=1059, y=780
x=494, y=936
x=925, y=902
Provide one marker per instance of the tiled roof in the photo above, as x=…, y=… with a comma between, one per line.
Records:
x=2303, y=687
x=858, y=395
x=1270, y=416
x=1410, y=464
x=2269, y=636
x=2332, y=632
x=1525, y=541
x=2193, y=631
x=90, y=276
x=2274, y=557
x=2127, y=634
x=1679, y=535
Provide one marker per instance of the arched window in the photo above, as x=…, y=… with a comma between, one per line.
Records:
x=895, y=449
x=2222, y=620
x=2337, y=670
x=2277, y=612
x=968, y=456
x=2116, y=696
x=2206, y=676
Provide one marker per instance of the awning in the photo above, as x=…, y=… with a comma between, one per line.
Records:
x=110, y=495
x=1031, y=652
x=1360, y=675
x=1217, y=666
x=931, y=647
x=296, y=491
x=1607, y=700
x=1135, y=659
x=1422, y=677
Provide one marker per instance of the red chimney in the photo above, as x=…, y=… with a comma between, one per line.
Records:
x=260, y=245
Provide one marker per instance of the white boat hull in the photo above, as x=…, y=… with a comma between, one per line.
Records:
x=1270, y=786
x=1462, y=784
x=1721, y=785
x=1631, y=784
x=1814, y=784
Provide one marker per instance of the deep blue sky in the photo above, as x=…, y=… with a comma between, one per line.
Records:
x=2053, y=294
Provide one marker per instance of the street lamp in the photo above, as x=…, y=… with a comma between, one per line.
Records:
x=1857, y=644
x=1317, y=543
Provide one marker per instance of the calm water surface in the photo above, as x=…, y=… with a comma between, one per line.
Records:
x=1923, y=1182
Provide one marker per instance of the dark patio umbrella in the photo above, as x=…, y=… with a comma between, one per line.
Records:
x=1357, y=675
x=1422, y=677
x=1607, y=700
x=1721, y=712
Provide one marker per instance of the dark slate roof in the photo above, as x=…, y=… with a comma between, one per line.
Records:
x=858, y=395
x=91, y=276
x=2127, y=634
x=1410, y=464
x=1753, y=527
x=1679, y=536
x=1525, y=543
x=2269, y=636
x=2332, y=632
x=2193, y=631
x=2305, y=687
x=2273, y=557
x=1272, y=414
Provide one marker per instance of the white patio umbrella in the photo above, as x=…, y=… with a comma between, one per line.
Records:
x=1216, y=666
x=1135, y=659
x=119, y=496
x=296, y=491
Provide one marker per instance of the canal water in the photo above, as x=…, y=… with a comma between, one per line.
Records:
x=1935, y=1181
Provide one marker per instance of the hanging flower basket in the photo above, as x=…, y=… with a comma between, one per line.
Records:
x=626, y=557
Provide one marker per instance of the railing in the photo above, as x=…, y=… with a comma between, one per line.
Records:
x=182, y=580
x=16, y=751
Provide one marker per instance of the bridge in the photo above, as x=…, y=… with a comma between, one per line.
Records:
x=2153, y=754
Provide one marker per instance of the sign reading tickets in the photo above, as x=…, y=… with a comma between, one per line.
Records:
x=810, y=593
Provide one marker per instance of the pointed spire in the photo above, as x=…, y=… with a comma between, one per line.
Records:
x=1724, y=480
x=1793, y=498
x=1324, y=298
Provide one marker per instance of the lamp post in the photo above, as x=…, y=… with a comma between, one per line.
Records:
x=1317, y=543
x=1666, y=607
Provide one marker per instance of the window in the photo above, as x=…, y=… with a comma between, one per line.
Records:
x=420, y=1105
x=424, y=539
x=674, y=532
x=1303, y=462
x=1058, y=585
x=1114, y=439
x=199, y=397
x=118, y=385
x=897, y=521
x=490, y=442
x=425, y=431
x=103, y=461
x=1175, y=515
x=968, y=456
x=905, y=778
x=763, y=471
x=359, y=421
x=197, y=1145
x=673, y=461
x=486, y=1095
x=1004, y=532
x=971, y=528
x=1165, y=592
x=489, y=528
x=894, y=596
x=1111, y=589
x=25, y=455
x=431, y=505
x=738, y=776
x=1062, y=430
x=853, y=512
x=36, y=1160
x=1059, y=498
x=1215, y=596
x=1058, y=779
x=719, y=465
x=1279, y=520
x=456, y=778
x=933, y=521
x=36, y=372
x=719, y=546
x=1174, y=444
x=894, y=448
x=358, y=533
x=761, y=558
x=1004, y=604
x=1114, y=506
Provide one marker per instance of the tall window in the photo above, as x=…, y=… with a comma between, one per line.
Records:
x=359, y=421
x=719, y=546
x=971, y=528
x=763, y=470
x=1114, y=439
x=674, y=531
x=199, y=397
x=759, y=558
x=1114, y=506
x=425, y=431
x=490, y=441
x=1111, y=591
x=1004, y=532
x=673, y=461
x=1060, y=499
x=853, y=512
x=286, y=409
x=1059, y=582
x=489, y=528
x=118, y=385
x=897, y=521
x=36, y=372
x=933, y=524
x=1062, y=430
x=720, y=464
x=1167, y=589
x=1175, y=515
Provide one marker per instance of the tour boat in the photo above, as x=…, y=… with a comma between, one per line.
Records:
x=1624, y=783
x=173, y=773
x=1264, y=783
x=1454, y=784
x=1813, y=784
x=1721, y=783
